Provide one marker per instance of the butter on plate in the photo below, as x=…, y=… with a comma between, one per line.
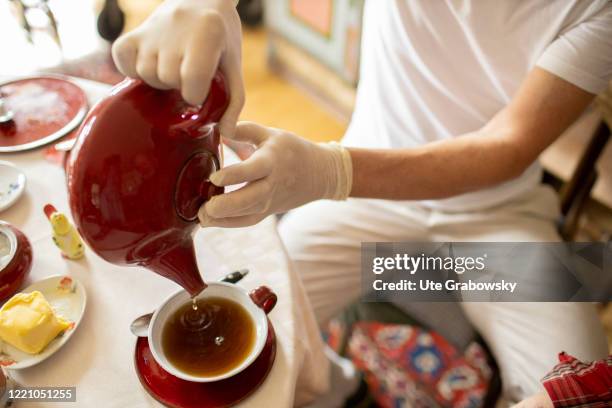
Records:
x=28, y=322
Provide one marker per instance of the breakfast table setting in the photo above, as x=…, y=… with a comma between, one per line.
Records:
x=99, y=356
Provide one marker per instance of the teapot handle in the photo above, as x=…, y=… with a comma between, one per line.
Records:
x=193, y=188
x=213, y=107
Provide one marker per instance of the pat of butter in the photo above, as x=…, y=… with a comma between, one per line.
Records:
x=28, y=322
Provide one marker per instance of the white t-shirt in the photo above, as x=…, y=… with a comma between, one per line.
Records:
x=437, y=69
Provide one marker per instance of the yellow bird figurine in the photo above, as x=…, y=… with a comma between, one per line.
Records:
x=65, y=236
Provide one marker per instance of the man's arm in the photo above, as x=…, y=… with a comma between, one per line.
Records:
x=544, y=106
x=287, y=171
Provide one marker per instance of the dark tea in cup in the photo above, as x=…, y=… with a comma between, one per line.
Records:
x=209, y=337
x=219, y=340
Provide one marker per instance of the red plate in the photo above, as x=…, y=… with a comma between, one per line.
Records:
x=44, y=109
x=177, y=393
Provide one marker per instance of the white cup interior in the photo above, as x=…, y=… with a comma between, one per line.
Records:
x=216, y=289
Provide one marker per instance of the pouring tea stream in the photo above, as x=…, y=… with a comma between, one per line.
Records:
x=140, y=326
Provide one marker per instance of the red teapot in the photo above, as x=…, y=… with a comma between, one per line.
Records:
x=138, y=174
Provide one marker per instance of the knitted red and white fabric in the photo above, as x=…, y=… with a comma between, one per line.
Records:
x=573, y=383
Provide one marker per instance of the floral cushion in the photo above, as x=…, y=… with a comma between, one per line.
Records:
x=406, y=366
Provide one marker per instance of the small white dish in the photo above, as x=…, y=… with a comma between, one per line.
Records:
x=12, y=184
x=67, y=297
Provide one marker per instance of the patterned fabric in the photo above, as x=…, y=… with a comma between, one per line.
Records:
x=406, y=366
x=573, y=383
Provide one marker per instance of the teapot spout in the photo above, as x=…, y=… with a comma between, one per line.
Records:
x=179, y=264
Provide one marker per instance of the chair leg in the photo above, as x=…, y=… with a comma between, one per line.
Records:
x=585, y=166
x=23, y=21
x=576, y=191
x=53, y=22
x=571, y=220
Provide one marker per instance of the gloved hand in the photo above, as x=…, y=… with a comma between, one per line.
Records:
x=284, y=172
x=181, y=45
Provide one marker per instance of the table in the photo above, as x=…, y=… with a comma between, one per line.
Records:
x=98, y=359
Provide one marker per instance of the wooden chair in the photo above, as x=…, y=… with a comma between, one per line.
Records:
x=21, y=9
x=575, y=193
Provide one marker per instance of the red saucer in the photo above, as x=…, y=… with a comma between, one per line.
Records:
x=177, y=393
x=45, y=109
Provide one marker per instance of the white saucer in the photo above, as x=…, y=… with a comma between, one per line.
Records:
x=67, y=297
x=12, y=184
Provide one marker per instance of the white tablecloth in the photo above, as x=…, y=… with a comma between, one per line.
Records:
x=98, y=359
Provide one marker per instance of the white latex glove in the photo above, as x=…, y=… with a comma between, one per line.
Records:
x=284, y=172
x=181, y=45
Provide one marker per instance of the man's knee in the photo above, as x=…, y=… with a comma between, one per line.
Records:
x=308, y=232
x=291, y=234
x=526, y=338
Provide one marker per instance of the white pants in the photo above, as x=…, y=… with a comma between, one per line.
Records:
x=324, y=241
